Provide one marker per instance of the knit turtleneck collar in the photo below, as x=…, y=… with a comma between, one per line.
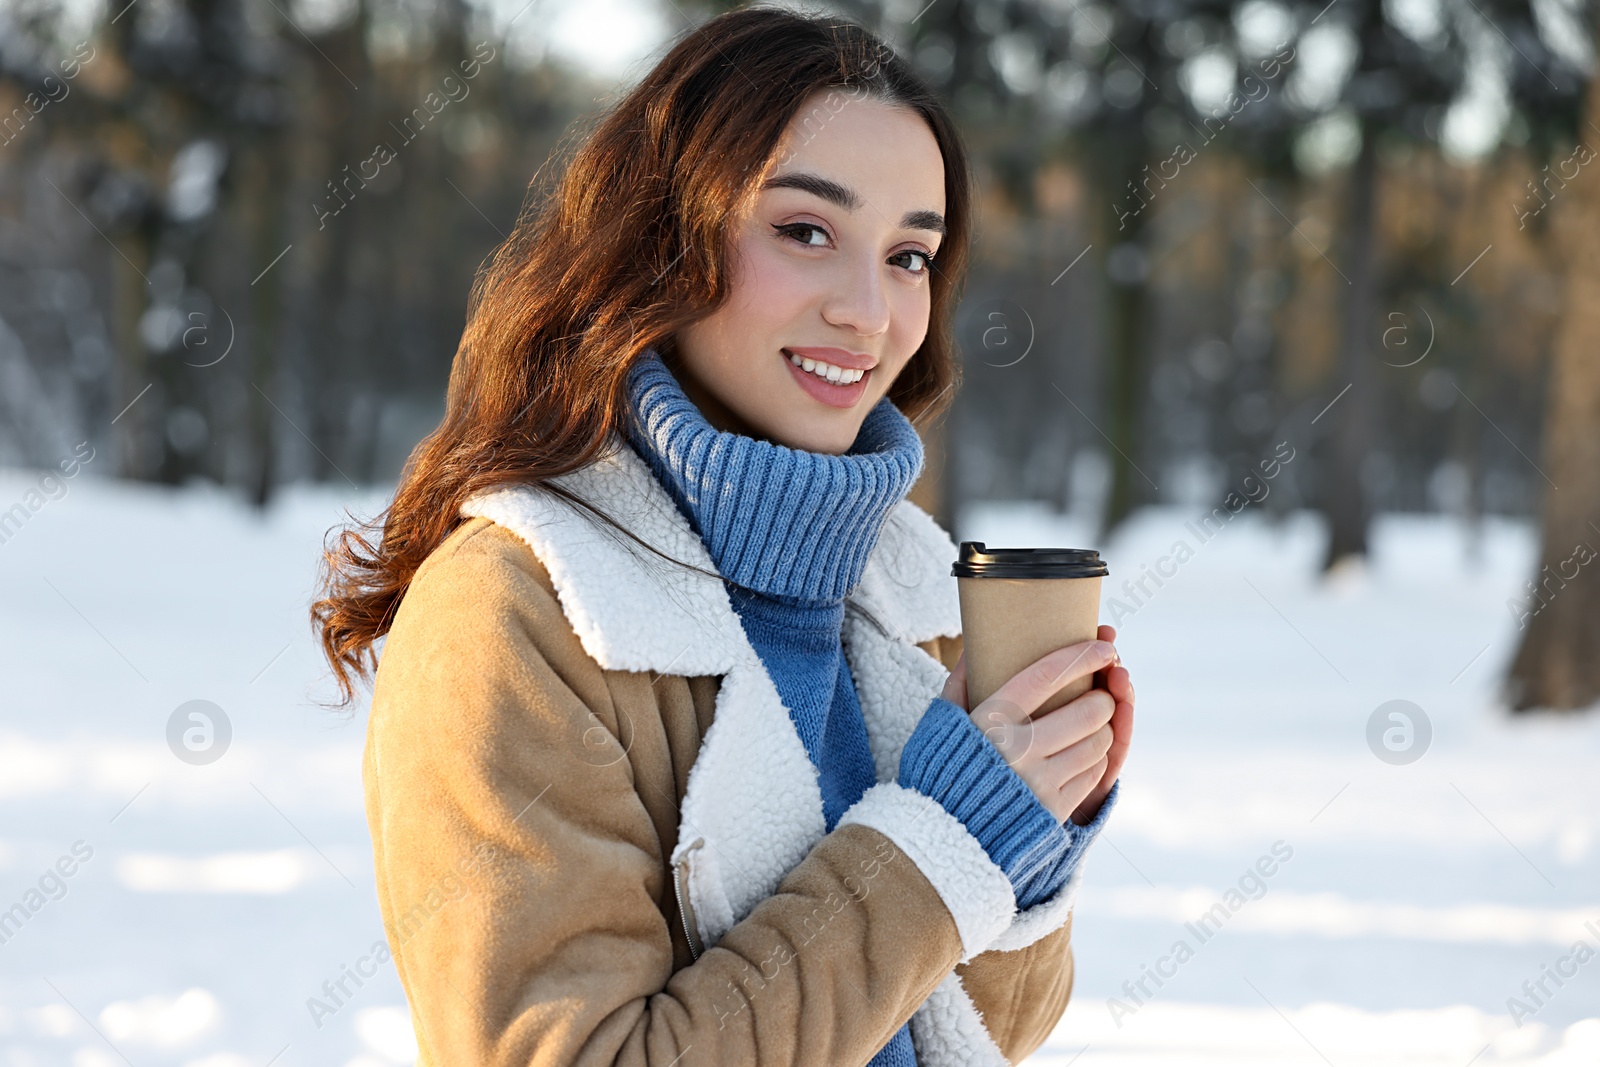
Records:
x=785, y=522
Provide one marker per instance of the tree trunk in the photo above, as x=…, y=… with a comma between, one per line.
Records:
x=264, y=174
x=137, y=412
x=1125, y=153
x=1558, y=664
x=1344, y=499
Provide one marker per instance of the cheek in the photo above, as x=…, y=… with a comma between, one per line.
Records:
x=762, y=292
x=773, y=289
x=909, y=311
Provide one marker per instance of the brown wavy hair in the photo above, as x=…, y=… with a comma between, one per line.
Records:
x=630, y=248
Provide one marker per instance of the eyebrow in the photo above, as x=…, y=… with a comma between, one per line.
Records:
x=850, y=200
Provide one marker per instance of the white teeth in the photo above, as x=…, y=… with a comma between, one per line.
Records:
x=838, y=375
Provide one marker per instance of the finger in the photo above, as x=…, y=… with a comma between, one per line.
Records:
x=1119, y=684
x=1122, y=720
x=1122, y=730
x=1072, y=722
x=1022, y=694
x=955, y=686
x=1076, y=790
x=1081, y=756
x=1108, y=633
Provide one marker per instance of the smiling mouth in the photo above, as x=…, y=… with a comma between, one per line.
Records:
x=828, y=372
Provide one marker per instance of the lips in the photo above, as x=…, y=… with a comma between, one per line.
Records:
x=826, y=371
x=839, y=357
x=830, y=393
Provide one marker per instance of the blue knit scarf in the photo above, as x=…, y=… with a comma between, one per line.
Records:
x=792, y=524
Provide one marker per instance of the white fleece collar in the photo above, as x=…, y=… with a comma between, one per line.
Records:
x=633, y=611
x=753, y=806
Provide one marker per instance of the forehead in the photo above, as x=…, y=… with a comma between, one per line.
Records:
x=884, y=152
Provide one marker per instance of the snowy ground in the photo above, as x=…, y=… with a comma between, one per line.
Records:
x=1418, y=898
x=208, y=903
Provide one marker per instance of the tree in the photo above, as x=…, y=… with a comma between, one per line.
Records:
x=1030, y=80
x=1410, y=74
x=1557, y=664
x=1119, y=83
x=277, y=218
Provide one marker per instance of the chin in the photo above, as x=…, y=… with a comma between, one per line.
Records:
x=833, y=438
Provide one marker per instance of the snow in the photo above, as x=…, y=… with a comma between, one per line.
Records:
x=1419, y=897
x=208, y=903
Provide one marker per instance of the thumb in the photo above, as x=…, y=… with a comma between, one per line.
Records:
x=955, y=686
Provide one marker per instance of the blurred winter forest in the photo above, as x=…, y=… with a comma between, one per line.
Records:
x=237, y=239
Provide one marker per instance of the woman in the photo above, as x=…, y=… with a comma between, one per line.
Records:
x=668, y=759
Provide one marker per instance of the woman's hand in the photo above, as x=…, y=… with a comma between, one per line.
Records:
x=1070, y=757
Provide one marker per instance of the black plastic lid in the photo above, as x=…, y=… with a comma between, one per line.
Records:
x=979, y=562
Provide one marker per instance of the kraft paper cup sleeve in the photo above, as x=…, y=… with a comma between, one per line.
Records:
x=1008, y=623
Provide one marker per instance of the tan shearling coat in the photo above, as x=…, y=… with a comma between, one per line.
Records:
x=599, y=839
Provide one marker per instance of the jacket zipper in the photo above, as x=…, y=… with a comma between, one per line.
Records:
x=689, y=935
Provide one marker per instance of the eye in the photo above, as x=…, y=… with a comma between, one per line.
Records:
x=794, y=228
x=925, y=257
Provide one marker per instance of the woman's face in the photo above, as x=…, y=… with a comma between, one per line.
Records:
x=832, y=266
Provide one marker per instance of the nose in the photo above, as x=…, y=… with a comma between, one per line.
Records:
x=856, y=298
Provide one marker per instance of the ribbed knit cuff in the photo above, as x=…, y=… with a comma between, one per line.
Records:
x=949, y=759
x=1047, y=880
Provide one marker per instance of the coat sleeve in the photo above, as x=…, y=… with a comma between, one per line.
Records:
x=520, y=874
x=1020, y=992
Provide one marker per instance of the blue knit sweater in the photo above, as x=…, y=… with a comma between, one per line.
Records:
x=790, y=532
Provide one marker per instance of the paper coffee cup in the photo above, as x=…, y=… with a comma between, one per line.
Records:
x=1017, y=604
